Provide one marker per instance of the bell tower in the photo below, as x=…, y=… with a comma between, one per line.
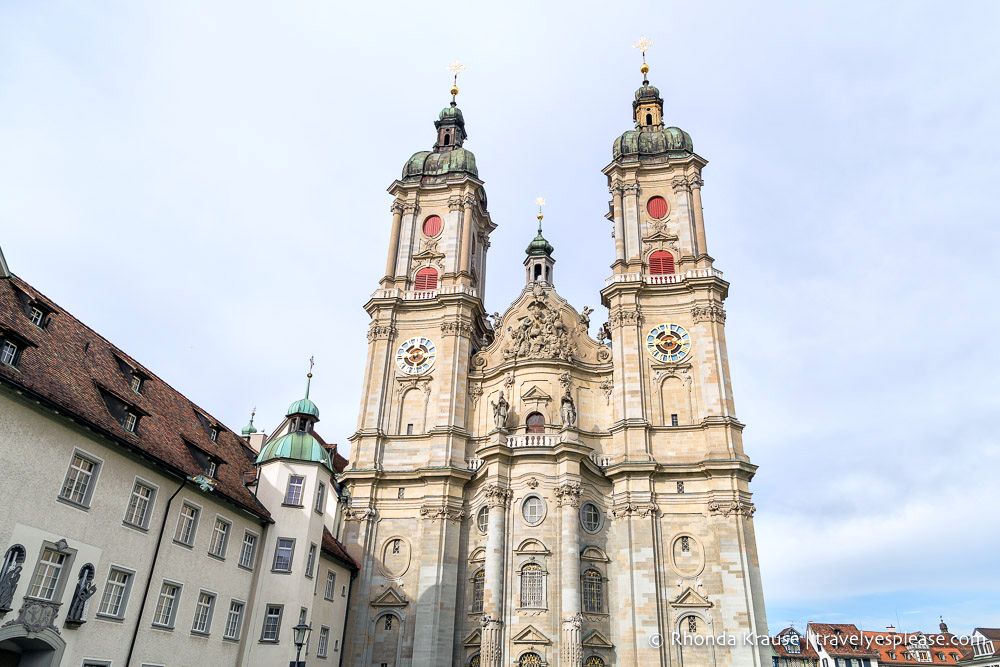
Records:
x=407, y=467
x=675, y=418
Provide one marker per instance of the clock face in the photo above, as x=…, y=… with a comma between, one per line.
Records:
x=668, y=342
x=416, y=355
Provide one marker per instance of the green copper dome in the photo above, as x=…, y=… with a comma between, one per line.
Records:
x=249, y=429
x=650, y=141
x=428, y=163
x=303, y=406
x=539, y=246
x=452, y=112
x=295, y=446
x=647, y=92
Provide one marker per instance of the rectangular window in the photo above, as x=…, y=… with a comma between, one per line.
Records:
x=137, y=513
x=136, y=383
x=331, y=584
x=272, y=623
x=213, y=434
x=116, y=593
x=283, y=551
x=293, y=494
x=8, y=353
x=311, y=560
x=324, y=642
x=202, y=624
x=320, y=504
x=673, y=420
x=248, y=551
x=37, y=316
x=78, y=486
x=47, y=573
x=220, y=538
x=680, y=487
x=409, y=429
x=130, y=422
x=187, y=524
x=166, y=605
x=234, y=621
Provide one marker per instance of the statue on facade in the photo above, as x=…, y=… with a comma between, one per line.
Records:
x=84, y=591
x=500, y=410
x=604, y=334
x=10, y=574
x=585, y=316
x=568, y=410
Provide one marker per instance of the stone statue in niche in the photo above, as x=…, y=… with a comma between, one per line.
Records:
x=10, y=574
x=84, y=591
x=500, y=410
x=568, y=410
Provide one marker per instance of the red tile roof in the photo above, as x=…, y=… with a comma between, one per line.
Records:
x=333, y=548
x=67, y=365
x=841, y=640
x=780, y=646
x=893, y=647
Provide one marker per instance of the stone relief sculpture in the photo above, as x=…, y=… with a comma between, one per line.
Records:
x=540, y=334
x=84, y=591
x=10, y=574
x=500, y=410
x=568, y=410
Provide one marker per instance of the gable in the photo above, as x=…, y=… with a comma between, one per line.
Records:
x=530, y=635
x=531, y=546
x=596, y=640
x=390, y=598
x=475, y=638
x=690, y=599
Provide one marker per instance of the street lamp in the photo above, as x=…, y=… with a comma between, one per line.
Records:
x=300, y=631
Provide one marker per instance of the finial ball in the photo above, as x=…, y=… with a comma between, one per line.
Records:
x=644, y=69
x=454, y=90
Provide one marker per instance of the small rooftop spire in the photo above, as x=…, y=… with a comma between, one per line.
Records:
x=309, y=375
x=455, y=68
x=541, y=202
x=250, y=429
x=643, y=45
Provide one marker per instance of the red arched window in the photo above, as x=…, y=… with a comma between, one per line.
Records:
x=535, y=423
x=426, y=278
x=661, y=262
x=657, y=207
x=432, y=225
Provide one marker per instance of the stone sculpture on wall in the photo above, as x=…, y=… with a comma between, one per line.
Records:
x=84, y=591
x=500, y=410
x=568, y=410
x=541, y=334
x=10, y=574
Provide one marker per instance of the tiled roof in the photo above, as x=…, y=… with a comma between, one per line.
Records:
x=780, y=646
x=77, y=371
x=333, y=548
x=841, y=640
x=893, y=647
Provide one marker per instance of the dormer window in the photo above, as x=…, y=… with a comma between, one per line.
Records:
x=37, y=316
x=211, y=469
x=9, y=353
x=136, y=383
x=213, y=434
x=130, y=422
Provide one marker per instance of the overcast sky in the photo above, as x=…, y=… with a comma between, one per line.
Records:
x=204, y=184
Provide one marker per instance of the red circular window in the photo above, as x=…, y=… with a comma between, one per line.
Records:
x=657, y=207
x=432, y=225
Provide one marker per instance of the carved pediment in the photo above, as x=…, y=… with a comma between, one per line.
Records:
x=690, y=599
x=531, y=546
x=530, y=635
x=478, y=555
x=594, y=554
x=596, y=640
x=390, y=598
x=534, y=394
x=475, y=638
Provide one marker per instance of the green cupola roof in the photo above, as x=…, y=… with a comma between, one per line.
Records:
x=296, y=446
x=539, y=246
x=447, y=156
x=250, y=429
x=304, y=406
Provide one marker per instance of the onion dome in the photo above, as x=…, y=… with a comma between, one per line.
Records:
x=296, y=446
x=539, y=246
x=447, y=156
x=303, y=406
x=250, y=429
x=650, y=138
x=647, y=92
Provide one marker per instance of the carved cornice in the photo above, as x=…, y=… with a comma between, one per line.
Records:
x=498, y=496
x=680, y=184
x=455, y=203
x=380, y=331
x=737, y=507
x=710, y=313
x=630, y=187
x=568, y=494
x=694, y=182
x=397, y=206
x=470, y=200
x=456, y=327
x=359, y=513
x=616, y=187
x=442, y=512
x=411, y=207
x=622, y=316
x=643, y=510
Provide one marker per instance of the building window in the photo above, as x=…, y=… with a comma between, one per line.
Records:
x=248, y=550
x=310, y=560
x=657, y=206
x=293, y=493
x=590, y=516
x=661, y=263
x=220, y=538
x=234, y=621
x=680, y=487
x=343, y=591
x=686, y=545
x=692, y=624
x=47, y=574
x=8, y=353
x=532, y=586
x=137, y=513
x=272, y=623
x=78, y=486
x=213, y=434
x=36, y=316
x=388, y=622
x=187, y=524
x=283, y=551
x=432, y=225
x=211, y=468
x=331, y=584
x=131, y=420
x=483, y=519
x=478, y=586
x=533, y=510
x=136, y=383
x=320, y=504
x=594, y=661
x=323, y=646
x=535, y=423
x=116, y=592
x=166, y=605
x=336, y=645
x=674, y=421
x=530, y=660
x=426, y=279
x=593, y=592
x=409, y=429
x=396, y=546
x=203, y=614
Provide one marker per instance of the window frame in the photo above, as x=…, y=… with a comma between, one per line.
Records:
x=212, y=597
x=587, y=579
x=542, y=504
x=311, y=560
x=239, y=620
x=123, y=600
x=291, y=555
x=483, y=512
x=323, y=642
x=542, y=575
x=175, y=603
x=287, y=500
x=219, y=519
x=150, y=504
x=94, y=474
x=478, y=591
x=194, y=524
x=131, y=421
x=277, y=625
x=253, y=550
x=330, y=587
x=583, y=520
x=10, y=352
x=40, y=575
x=319, y=503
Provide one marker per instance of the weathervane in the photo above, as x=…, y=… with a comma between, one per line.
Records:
x=455, y=68
x=541, y=202
x=643, y=45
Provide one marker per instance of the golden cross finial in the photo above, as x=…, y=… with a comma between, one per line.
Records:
x=455, y=68
x=643, y=45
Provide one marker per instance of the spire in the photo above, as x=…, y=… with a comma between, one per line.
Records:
x=250, y=429
x=451, y=123
x=305, y=406
x=647, y=108
x=309, y=375
x=539, y=262
x=643, y=45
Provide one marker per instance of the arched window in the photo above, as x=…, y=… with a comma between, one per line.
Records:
x=593, y=592
x=426, y=279
x=649, y=119
x=530, y=660
x=661, y=262
x=532, y=586
x=447, y=139
x=474, y=661
x=478, y=581
x=535, y=423
x=594, y=661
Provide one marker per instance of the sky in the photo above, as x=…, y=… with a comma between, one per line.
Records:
x=204, y=184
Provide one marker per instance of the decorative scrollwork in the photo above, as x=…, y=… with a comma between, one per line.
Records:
x=443, y=513
x=710, y=313
x=737, y=507
x=622, y=316
x=568, y=494
x=498, y=496
x=380, y=331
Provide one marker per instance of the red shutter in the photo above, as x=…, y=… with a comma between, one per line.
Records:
x=432, y=225
x=660, y=263
x=426, y=279
x=657, y=207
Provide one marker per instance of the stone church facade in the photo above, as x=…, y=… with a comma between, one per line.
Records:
x=531, y=488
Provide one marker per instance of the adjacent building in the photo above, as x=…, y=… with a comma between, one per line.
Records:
x=984, y=648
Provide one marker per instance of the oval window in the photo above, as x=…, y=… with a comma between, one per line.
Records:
x=533, y=510
x=657, y=207
x=432, y=225
x=590, y=516
x=483, y=519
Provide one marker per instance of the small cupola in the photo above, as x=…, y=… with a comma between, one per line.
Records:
x=647, y=109
x=451, y=123
x=299, y=443
x=303, y=413
x=250, y=429
x=539, y=263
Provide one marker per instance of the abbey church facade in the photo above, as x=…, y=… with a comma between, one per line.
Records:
x=534, y=488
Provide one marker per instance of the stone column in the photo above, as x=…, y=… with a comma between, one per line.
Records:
x=390, y=262
x=632, y=224
x=491, y=649
x=466, y=250
x=616, y=209
x=701, y=251
x=570, y=646
x=437, y=586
